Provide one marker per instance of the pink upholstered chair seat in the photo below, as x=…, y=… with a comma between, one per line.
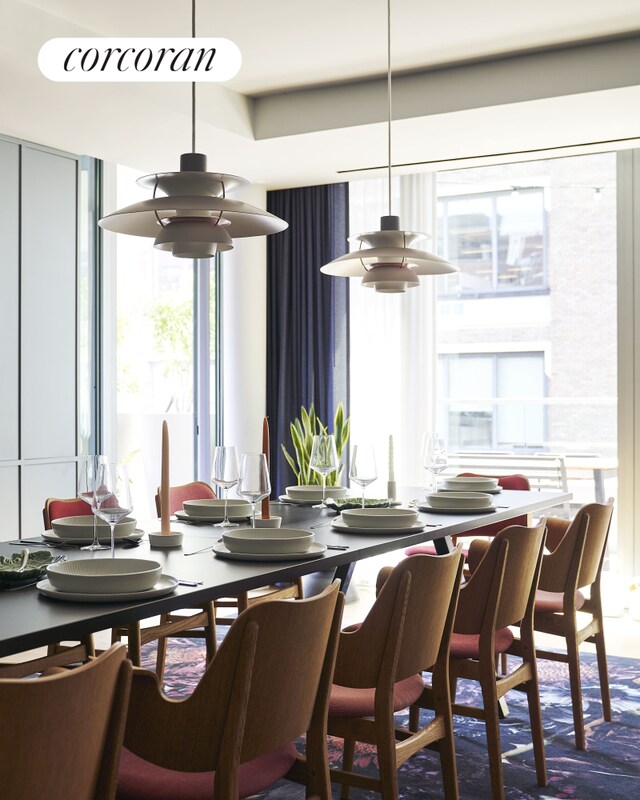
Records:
x=551, y=602
x=348, y=702
x=464, y=645
x=428, y=549
x=140, y=780
x=68, y=508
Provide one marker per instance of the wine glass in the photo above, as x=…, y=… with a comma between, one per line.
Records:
x=434, y=457
x=323, y=460
x=225, y=473
x=112, y=497
x=363, y=466
x=254, y=483
x=87, y=475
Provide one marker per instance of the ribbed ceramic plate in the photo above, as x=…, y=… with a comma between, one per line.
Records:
x=342, y=527
x=316, y=549
x=165, y=585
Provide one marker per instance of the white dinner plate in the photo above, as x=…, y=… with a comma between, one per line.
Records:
x=469, y=511
x=284, y=498
x=497, y=490
x=51, y=536
x=182, y=516
x=341, y=526
x=316, y=549
x=165, y=585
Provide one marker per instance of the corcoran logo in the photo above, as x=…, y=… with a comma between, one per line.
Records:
x=140, y=60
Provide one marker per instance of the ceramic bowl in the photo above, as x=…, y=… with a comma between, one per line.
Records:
x=215, y=508
x=82, y=527
x=263, y=540
x=104, y=575
x=314, y=492
x=471, y=484
x=380, y=517
x=459, y=500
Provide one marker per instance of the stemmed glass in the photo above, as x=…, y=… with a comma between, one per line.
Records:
x=323, y=460
x=225, y=473
x=112, y=497
x=254, y=483
x=87, y=475
x=363, y=466
x=434, y=457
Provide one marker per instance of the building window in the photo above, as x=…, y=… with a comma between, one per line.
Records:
x=493, y=401
x=497, y=239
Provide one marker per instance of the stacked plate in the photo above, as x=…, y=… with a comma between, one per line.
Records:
x=471, y=483
x=458, y=503
x=268, y=544
x=378, y=520
x=106, y=579
x=310, y=494
x=213, y=510
x=79, y=530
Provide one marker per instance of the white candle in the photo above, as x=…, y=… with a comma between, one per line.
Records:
x=392, y=476
x=165, y=526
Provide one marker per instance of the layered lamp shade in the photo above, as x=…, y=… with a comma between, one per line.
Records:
x=388, y=260
x=193, y=217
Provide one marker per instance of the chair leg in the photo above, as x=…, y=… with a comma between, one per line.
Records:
x=387, y=765
x=603, y=674
x=414, y=719
x=492, y=726
x=573, y=656
x=348, y=752
x=446, y=748
x=537, y=733
x=161, y=655
x=210, y=631
x=300, y=588
x=134, y=647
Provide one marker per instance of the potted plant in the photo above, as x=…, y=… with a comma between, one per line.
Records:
x=302, y=430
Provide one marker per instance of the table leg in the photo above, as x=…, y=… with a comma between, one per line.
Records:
x=443, y=545
x=343, y=574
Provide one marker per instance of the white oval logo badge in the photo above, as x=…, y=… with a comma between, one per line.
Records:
x=139, y=59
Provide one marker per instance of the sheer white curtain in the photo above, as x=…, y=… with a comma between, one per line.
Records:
x=392, y=340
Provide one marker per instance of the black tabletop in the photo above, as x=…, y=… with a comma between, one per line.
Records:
x=29, y=619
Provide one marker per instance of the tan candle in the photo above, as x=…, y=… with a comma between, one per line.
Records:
x=265, y=450
x=165, y=528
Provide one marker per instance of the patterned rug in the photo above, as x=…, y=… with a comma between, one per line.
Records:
x=608, y=770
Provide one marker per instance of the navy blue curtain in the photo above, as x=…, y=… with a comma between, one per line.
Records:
x=307, y=314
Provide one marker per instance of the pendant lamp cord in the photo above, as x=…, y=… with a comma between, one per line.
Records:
x=193, y=85
x=388, y=99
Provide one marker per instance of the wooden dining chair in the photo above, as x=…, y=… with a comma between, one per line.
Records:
x=267, y=685
x=512, y=482
x=573, y=566
x=500, y=592
x=378, y=672
x=61, y=734
x=198, y=623
x=198, y=490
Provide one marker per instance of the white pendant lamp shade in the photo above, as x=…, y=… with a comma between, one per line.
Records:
x=386, y=260
x=195, y=219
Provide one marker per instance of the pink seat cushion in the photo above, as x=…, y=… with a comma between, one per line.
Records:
x=348, y=702
x=428, y=549
x=141, y=780
x=551, y=602
x=466, y=645
x=68, y=508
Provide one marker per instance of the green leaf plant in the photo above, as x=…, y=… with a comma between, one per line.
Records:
x=302, y=431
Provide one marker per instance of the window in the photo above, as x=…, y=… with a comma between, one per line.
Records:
x=493, y=401
x=497, y=239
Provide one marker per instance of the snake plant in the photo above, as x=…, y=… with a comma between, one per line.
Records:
x=302, y=431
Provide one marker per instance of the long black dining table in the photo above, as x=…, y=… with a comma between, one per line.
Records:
x=29, y=619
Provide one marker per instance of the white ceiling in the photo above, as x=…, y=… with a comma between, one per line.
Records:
x=292, y=45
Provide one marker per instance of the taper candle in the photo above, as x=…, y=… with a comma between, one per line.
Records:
x=392, y=475
x=265, y=450
x=165, y=527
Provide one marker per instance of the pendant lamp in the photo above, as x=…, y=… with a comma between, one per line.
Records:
x=389, y=260
x=189, y=212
